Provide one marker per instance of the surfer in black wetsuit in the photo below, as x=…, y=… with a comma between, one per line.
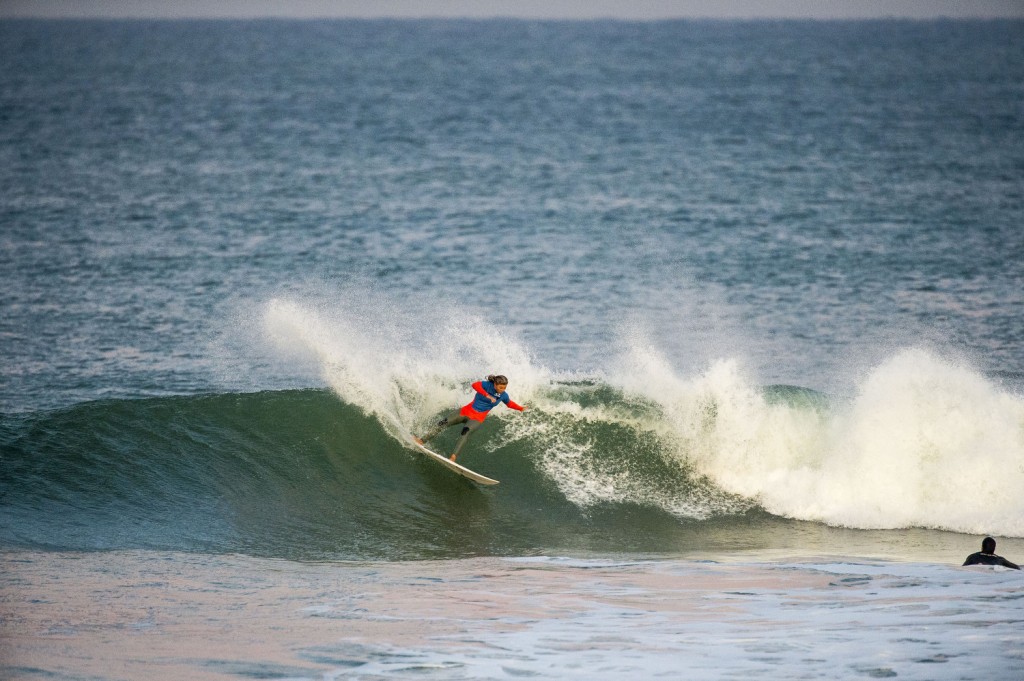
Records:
x=987, y=556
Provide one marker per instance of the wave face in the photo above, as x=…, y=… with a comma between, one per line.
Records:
x=303, y=474
x=641, y=460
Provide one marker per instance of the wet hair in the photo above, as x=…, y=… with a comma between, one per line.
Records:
x=988, y=545
x=498, y=380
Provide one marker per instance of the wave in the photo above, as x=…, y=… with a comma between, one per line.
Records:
x=640, y=459
x=924, y=440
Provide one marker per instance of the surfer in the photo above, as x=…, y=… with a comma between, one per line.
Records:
x=987, y=556
x=489, y=392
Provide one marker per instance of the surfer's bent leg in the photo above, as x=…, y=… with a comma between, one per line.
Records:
x=452, y=419
x=467, y=430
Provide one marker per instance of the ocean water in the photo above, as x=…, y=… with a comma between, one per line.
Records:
x=761, y=285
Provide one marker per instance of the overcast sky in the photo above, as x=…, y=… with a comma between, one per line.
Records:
x=542, y=9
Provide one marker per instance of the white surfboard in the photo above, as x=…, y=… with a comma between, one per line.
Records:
x=448, y=463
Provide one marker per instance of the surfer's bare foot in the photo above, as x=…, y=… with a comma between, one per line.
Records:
x=418, y=440
x=451, y=458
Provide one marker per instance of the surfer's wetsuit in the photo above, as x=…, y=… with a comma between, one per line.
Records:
x=473, y=414
x=982, y=558
x=482, y=404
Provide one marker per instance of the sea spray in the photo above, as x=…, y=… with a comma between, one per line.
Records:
x=347, y=361
x=403, y=365
x=717, y=428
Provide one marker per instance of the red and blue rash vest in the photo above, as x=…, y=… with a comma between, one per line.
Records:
x=478, y=408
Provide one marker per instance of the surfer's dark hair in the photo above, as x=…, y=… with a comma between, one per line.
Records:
x=988, y=545
x=498, y=380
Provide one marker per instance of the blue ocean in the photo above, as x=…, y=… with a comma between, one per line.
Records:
x=759, y=283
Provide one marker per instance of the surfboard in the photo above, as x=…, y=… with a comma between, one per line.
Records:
x=451, y=465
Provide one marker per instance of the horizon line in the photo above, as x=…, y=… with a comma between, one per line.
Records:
x=530, y=10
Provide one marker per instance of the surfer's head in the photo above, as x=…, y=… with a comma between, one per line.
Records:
x=988, y=545
x=499, y=381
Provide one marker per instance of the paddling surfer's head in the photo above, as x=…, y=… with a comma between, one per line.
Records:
x=988, y=545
